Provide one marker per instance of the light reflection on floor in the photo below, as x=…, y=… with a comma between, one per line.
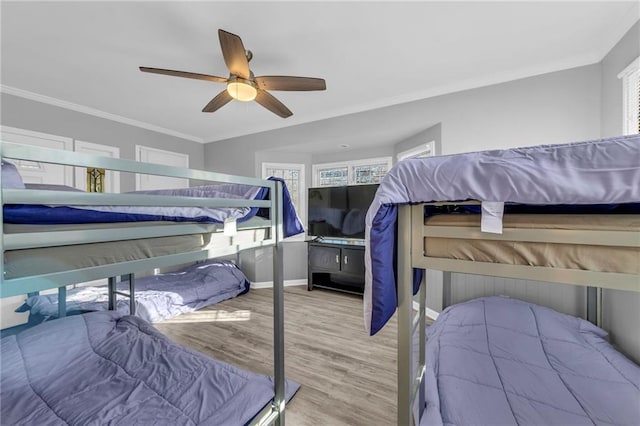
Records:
x=210, y=316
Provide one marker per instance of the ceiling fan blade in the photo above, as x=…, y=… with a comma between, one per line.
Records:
x=281, y=82
x=218, y=102
x=184, y=74
x=272, y=104
x=234, y=53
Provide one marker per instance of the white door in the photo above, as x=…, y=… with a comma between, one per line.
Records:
x=112, y=179
x=37, y=172
x=33, y=172
x=167, y=158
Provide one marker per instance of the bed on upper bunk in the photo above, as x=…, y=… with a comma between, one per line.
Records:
x=159, y=299
x=557, y=213
x=104, y=367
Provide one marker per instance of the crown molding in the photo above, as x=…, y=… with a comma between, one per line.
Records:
x=95, y=112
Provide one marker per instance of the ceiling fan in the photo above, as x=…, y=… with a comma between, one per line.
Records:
x=242, y=85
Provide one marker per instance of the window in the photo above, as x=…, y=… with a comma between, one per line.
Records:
x=358, y=172
x=631, y=98
x=426, y=150
x=293, y=176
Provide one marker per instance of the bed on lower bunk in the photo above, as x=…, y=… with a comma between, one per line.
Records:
x=136, y=383
x=157, y=297
x=565, y=214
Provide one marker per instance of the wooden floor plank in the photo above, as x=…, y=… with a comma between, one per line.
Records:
x=346, y=376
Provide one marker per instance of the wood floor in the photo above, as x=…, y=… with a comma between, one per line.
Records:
x=346, y=376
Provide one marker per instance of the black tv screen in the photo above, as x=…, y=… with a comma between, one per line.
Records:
x=339, y=211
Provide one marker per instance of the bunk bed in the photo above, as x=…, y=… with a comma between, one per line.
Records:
x=555, y=213
x=41, y=366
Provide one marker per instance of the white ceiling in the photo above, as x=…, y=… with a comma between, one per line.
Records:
x=86, y=55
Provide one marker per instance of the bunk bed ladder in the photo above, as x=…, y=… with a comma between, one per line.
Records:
x=410, y=378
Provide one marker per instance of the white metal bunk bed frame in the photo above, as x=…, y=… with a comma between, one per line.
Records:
x=271, y=414
x=412, y=232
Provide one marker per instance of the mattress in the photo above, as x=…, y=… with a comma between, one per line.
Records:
x=501, y=361
x=104, y=368
x=158, y=297
x=554, y=255
x=28, y=262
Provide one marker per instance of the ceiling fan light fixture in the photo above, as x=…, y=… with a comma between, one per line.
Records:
x=241, y=90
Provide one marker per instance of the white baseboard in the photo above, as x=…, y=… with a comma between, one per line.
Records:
x=429, y=312
x=287, y=283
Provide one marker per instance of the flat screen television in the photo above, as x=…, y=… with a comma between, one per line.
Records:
x=339, y=211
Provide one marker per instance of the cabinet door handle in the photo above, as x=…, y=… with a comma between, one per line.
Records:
x=346, y=259
x=337, y=258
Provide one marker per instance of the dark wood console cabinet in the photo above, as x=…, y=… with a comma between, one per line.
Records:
x=336, y=266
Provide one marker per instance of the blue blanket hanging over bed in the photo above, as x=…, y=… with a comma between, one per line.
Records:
x=103, y=368
x=603, y=171
x=40, y=214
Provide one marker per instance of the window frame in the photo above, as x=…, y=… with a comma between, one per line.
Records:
x=349, y=164
x=429, y=148
x=302, y=189
x=630, y=124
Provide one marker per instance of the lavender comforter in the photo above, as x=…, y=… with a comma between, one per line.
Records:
x=104, y=368
x=501, y=361
x=603, y=171
x=158, y=297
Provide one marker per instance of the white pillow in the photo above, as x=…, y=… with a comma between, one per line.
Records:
x=10, y=176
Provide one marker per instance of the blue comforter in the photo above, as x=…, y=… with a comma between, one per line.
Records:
x=42, y=214
x=596, y=172
x=158, y=297
x=501, y=361
x=104, y=368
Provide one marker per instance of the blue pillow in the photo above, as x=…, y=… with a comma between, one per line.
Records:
x=10, y=176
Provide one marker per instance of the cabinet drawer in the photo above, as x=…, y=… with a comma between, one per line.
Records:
x=353, y=261
x=325, y=258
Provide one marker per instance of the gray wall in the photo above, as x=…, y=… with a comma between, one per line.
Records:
x=572, y=105
x=557, y=107
x=621, y=309
x=31, y=115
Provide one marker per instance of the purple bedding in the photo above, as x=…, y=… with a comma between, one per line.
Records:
x=42, y=214
x=501, y=361
x=158, y=297
x=603, y=171
x=105, y=368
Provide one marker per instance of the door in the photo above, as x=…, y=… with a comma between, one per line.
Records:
x=33, y=171
x=167, y=158
x=324, y=258
x=353, y=261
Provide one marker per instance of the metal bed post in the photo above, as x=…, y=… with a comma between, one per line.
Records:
x=405, y=316
x=62, y=302
x=594, y=305
x=410, y=380
x=2, y=220
x=112, y=292
x=278, y=307
x=132, y=294
x=446, y=289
